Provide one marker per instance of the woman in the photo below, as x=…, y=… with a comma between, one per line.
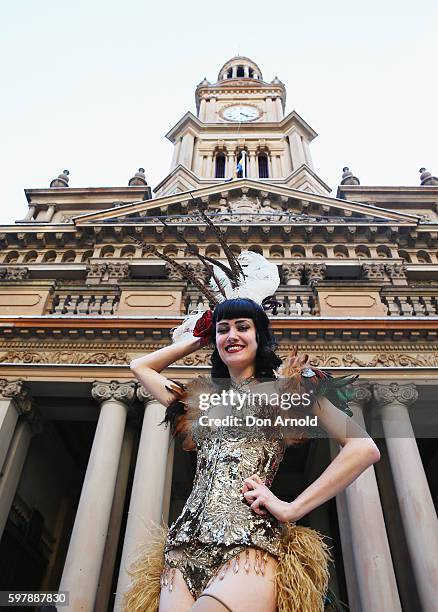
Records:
x=235, y=546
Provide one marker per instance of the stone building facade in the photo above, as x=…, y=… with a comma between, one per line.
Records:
x=83, y=463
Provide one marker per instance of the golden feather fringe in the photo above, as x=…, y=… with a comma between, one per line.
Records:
x=144, y=594
x=302, y=572
x=301, y=575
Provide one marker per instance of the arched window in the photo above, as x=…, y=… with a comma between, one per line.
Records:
x=230, y=73
x=263, y=166
x=251, y=73
x=220, y=166
x=240, y=71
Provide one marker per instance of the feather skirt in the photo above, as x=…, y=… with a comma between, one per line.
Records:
x=301, y=575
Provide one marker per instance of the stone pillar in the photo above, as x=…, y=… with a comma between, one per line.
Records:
x=84, y=558
x=369, y=541
x=16, y=445
x=202, y=105
x=234, y=72
x=30, y=213
x=307, y=154
x=246, y=71
x=187, y=146
x=270, y=109
x=146, y=504
x=253, y=170
x=279, y=109
x=109, y=556
x=296, y=149
x=175, y=157
x=50, y=212
x=12, y=395
x=413, y=494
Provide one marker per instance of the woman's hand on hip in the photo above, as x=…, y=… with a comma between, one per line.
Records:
x=262, y=500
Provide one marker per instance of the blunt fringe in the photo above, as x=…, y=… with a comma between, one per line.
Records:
x=266, y=361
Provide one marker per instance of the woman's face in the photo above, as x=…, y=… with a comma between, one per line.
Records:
x=236, y=342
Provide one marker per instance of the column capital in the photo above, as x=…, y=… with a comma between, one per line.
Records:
x=292, y=272
x=362, y=394
x=114, y=390
x=16, y=390
x=144, y=396
x=315, y=272
x=393, y=393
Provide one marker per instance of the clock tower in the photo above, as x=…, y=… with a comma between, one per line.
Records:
x=241, y=131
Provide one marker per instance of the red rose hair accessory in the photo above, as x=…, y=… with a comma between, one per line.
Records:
x=204, y=328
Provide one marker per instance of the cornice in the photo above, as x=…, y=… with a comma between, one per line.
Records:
x=237, y=187
x=58, y=194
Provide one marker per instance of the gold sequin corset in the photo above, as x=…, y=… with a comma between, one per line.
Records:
x=215, y=512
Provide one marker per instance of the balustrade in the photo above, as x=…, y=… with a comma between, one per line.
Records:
x=79, y=304
x=411, y=305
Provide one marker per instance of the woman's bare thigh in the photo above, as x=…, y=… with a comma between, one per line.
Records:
x=179, y=598
x=244, y=591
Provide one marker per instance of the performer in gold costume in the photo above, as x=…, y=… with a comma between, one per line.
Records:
x=236, y=546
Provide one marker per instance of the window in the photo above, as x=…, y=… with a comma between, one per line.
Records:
x=240, y=71
x=230, y=73
x=220, y=166
x=263, y=166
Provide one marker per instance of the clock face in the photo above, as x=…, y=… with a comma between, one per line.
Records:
x=240, y=113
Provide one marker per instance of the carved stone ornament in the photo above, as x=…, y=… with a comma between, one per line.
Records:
x=395, y=394
x=143, y=395
x=315, y=272
x=12, y=274
x=373, y=271
x=362, y=394
x=121, y=392
x=66, y=357
x=15, y=390
x=396, y=270
x=292, y=272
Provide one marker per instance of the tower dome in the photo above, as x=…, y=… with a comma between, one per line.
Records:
x=240, y=67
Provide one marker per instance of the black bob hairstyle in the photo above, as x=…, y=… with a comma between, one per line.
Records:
x=266, y=361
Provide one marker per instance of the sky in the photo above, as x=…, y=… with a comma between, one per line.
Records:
x=93, y=86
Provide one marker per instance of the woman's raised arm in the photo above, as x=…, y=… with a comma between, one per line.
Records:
x=147, y=368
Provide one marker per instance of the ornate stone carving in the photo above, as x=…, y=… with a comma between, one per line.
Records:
x=292, y=273
x=171, y=273
x=373, y=271
x=16, y=390
x=13, y=274
x=95, y=271
x=315, y=272
x=121, y=392
x=117, y=271
x=395, y=394
x=396, y=270
x=143, y=395
x=66, y=357
x=362, y=394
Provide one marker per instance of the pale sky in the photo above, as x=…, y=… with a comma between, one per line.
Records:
x=93, y=86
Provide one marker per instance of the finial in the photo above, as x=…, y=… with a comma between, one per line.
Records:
x=348, y=177
x=139, y=178
x=276, y=80
x=61, y=180
x=426, y=178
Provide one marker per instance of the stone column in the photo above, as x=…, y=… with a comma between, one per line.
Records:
x=279, y=108
x=186, y=155
x=50, y=212
x=369, y=541
x=30, y=213
x=87, y=543
x=202, y=105
x=146, y=504
x=296, y=150
x=175, y=157
x=17, y=445
x=11, y=395
x=413, y=494
x=253, y=170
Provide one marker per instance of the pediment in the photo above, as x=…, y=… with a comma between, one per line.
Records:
x=248, y=201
